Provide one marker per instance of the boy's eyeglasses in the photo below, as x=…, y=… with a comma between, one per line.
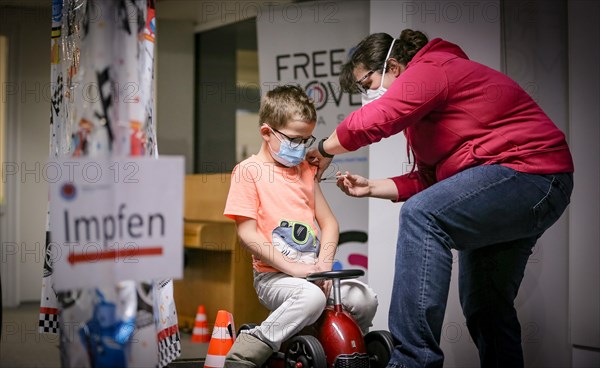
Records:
x=359, y=83
x=296, y=141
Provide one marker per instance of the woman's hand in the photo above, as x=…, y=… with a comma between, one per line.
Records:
x=316, y=159
x=329, y=147
x=353, y=185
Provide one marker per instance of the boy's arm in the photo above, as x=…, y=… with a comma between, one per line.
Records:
x=329, y=231
x=252, y=240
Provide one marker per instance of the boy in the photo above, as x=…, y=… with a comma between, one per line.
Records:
x=284, y=221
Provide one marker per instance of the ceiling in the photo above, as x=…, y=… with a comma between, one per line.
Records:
x=169, y=9
x=184, y=9
x=27, y=3
x=192, y=10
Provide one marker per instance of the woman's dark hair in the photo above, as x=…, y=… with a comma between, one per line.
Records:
x=371, y=52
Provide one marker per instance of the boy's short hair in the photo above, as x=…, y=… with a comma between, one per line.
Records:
x=286, y=103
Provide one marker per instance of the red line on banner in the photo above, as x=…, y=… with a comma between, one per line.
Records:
x=47, y=310
x=169, y=331
x=114, y=254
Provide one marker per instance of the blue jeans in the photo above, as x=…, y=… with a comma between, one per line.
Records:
x=493, y=216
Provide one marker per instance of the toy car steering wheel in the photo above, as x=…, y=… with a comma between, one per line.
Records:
x=339, y=274
x=336, y=276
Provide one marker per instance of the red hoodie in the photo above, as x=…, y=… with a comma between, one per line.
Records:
x=457, y=114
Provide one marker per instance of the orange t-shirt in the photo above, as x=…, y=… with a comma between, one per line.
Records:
x=282, y=201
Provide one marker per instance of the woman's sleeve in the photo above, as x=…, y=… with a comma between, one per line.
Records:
x=407, y=186
x=414, y=182
x=416, y=92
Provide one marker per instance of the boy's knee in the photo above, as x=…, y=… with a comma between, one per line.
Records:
x=361, y=301
x=368, y=306
x=315, y=300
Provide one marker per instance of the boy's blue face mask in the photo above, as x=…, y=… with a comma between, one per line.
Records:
x=288, y=156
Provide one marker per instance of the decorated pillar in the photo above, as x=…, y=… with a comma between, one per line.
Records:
x=102, y=85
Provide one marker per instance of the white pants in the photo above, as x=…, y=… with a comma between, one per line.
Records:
x=296, y=303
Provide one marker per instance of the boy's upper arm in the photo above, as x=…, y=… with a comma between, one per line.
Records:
x=245, y=225
x=322, y=209
x=242, y=199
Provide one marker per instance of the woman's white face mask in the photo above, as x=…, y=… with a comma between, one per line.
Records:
x=373, y=94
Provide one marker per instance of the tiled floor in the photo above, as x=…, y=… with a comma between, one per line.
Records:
x=22, y=346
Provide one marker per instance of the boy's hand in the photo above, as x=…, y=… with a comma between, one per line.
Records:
x=301, y=270
x=325, y=285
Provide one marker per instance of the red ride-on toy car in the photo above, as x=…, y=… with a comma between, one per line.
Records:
x=335, y=340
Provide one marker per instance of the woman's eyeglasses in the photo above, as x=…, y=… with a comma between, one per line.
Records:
x=359, y=83
x=296, y=141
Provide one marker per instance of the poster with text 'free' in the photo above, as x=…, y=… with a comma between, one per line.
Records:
x=115, y=219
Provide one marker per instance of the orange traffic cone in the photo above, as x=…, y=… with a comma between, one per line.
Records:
x=221, y=341
x=200, y=332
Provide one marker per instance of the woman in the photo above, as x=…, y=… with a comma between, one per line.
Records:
x=492, y=173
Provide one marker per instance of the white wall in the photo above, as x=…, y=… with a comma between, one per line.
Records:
x=175, y=76
x=29, y=110
x=536, y=57
x=34, y=130
x=584, y=235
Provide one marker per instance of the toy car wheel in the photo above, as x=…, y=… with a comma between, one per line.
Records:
x=380, y=346
x=305, y=351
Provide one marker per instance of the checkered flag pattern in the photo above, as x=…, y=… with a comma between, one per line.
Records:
x=169, y=345
x=48, y=321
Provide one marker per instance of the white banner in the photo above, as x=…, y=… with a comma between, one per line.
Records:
x=318, y=38
x=115, y=220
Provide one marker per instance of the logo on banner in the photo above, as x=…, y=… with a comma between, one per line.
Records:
x=320, y=69
x=68, y=191
x=318, y=92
